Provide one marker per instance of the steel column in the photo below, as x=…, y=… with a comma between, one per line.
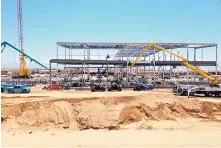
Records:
x=50, y=73
x=127, y=62
x=201, y=54
x=65, y=59
x=57, y=56
x=149, y=60
x=88, y=57
x=65, y=53
x=158, y=73
x=216, y=59
x=107, y=75
x=194, y=65
x=164, y=66
x=84, y=52
x=144, y=66
x=114, y=70
x=187, y=68
x=69, y=55
x=170, y=60
x=154, y=80
x=82, y=74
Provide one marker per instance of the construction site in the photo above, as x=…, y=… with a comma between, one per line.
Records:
x=120, y=92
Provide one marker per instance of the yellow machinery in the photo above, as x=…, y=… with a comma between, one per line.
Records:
x=212, y=80
x=23, y=72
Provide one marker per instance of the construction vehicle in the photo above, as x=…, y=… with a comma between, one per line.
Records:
x=183, y=90
x=213, y=80
x=52, y=87
x=18, y=89
x=142, y=86
x=114, y=85
x=4, y=86
x=98, y=87
x=23, y=72
x=210, y=90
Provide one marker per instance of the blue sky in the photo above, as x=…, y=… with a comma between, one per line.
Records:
x=49, y=21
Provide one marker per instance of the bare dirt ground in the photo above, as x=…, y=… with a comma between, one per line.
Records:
x=82, y=118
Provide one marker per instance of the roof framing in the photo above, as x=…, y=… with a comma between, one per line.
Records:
x=131, y=49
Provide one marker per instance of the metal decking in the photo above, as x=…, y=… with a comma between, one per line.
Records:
x=131, y=49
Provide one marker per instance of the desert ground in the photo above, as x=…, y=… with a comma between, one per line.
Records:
x=71, y=118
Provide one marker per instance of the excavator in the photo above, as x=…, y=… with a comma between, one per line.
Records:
x=213, y=80
x=23, y=72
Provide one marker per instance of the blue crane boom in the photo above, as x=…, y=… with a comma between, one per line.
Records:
x=4, y=44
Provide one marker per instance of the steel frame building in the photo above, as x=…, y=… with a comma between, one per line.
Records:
x=125, y=52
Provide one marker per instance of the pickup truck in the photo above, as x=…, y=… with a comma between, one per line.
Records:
x=4, y=85
x=18, y=89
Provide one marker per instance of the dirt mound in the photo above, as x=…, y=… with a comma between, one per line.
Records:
x=209, y=109
x=13, y=110
x=96, y=115
x=153, y=100
x=181, y=110
x=131, y=114
x=61, y=112
x=137, y=113
x=57, y=114
x=164, y=112
x=192, y=105
x=106, y=113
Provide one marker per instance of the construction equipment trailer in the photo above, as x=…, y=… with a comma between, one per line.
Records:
x=191, y=90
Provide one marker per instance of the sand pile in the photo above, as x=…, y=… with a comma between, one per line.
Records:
x=180, y=110
x=191, y=105
x=97, y=115
x=62, y=114
x=106, y=113
x=209, y=110
x=143, y=112
x=13, y=110
x=57, y=114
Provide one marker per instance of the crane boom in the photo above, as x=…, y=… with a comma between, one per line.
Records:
x=4, y=44
x=212, y=80
x=22, y=71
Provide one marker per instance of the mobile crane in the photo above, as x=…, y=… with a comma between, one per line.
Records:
x=188, y=90
x=23, y=72
x=213, y=80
